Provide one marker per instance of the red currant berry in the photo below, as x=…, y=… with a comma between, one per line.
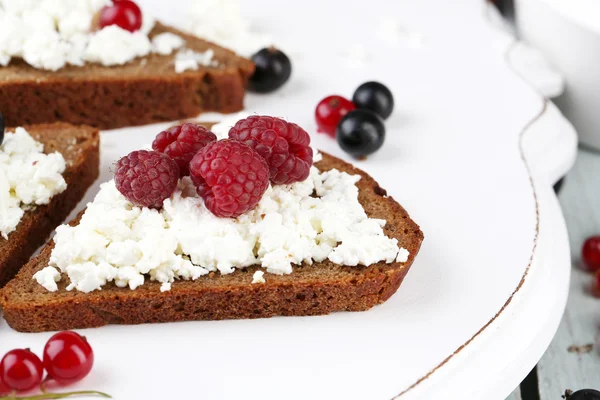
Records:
x=596, y=285
x=68, y=357
x=330, y=111
x=21, y=370
x=4, y=389
x=123, y=13
x=590, y=254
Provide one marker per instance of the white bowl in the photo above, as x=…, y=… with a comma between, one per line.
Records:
x=568, y=32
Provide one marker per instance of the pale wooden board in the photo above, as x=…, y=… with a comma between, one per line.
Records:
x=559, y=369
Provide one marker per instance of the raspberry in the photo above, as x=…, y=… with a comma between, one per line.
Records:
x=146, y=178
x=182, y=142
x=230, y=177
x=284, y=145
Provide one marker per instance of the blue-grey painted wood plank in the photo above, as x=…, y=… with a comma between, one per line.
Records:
x=516, y=395
x=570, y=362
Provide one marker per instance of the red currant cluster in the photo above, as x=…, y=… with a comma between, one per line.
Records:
x=231, y=175
x=358, y=124
x=68, y=358
x=590, y=255
x=123, y=13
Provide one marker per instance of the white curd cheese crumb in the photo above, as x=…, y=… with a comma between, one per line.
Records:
x=187, y=59
x=28, y=177
x=402, y=255
x=46, y=50
x=317, y=156
x=166, y=43
x=10, y=210
x=258, y=277
x=221, y=130
x=148, y=20
x=165, y=287
x=182, y=65
x=48, y=277
x=74, y=23
x=114, y=45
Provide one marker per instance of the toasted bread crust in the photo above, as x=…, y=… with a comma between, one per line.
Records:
x=310, y=290
x=144, y=91
x=79, y=147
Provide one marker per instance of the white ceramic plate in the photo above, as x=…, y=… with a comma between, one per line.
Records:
x=569, y=35
x=454, y=158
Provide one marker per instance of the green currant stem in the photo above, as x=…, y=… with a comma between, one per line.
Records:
x=49, y=396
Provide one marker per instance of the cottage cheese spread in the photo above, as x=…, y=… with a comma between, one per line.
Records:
x=116, y=241
x=50, y=34
x=221, y=21
x=187, y=59
x=28, y=177
x=166, y=43
x=259, y=277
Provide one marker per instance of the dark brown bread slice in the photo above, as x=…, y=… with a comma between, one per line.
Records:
x=79, y=147
x=144, y=91
x=310, y=290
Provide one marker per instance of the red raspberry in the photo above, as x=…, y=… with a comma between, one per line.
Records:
x=230, y=177
x=146, y=178
x=182, y=142
x=284, y=145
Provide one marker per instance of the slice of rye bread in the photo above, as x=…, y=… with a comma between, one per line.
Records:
x=79, y=147
x=310, y=290
x=144, y=91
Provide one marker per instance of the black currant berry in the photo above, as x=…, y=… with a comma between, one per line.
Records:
x=376, y=97
x=273, y=69
x=585, y=394
x=360, y=133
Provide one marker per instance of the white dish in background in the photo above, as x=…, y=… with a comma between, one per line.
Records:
x=568, y=32
x=495, y=242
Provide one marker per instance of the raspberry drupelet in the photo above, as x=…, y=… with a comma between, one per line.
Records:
x=182, y=142
x=230, y=176
x=284, y=145
x=146, y=178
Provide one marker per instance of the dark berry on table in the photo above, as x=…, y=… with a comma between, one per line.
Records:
x=360, y=133
x=590, y=253
x=585, y=394
x=330, y=111
x=21, y=370
x=376, y=97
x=273, y=69
x=182, y=142
x=123, y=13
x=230, y=176
x=284, y=145
x=146, y=178
x=68, y=357
x=2, y=128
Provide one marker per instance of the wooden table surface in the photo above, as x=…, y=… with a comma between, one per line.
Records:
x=573, y=359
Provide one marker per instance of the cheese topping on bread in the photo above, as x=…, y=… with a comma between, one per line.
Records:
x=51, y=34
x=28, y=177
x=310, y=221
